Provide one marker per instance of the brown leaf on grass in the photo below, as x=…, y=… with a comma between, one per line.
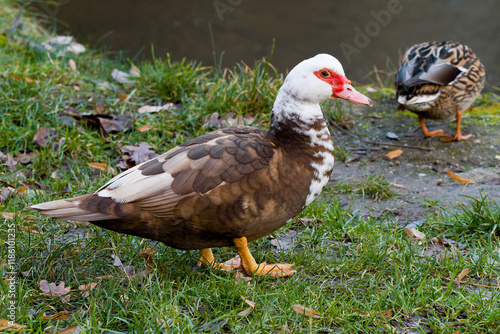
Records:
x=123, y=97
x=25, y=158
x=58, y=316
x=122, y=77
x=240, y=276
x=7, y=215
x=6, y=324
x=144, y=128
x=229, y=119
x=85, y=288
x=249, y=310
x=394, y=154
x=459, y=179
x=6, y=193
x=70, y=330
x=136, y=154
x=308, y=312
x=107, y=123
x=312, y=222
x=128, y=270
x=102, y=167
x=44, y=136
x=385, y=314
x=55, y=290
x=153, y=109
x=414, y=234
x=72, y=65
x=461, y=276
x=147, y=255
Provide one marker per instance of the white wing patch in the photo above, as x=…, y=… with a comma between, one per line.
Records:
x=418, y=99
x=132, y=185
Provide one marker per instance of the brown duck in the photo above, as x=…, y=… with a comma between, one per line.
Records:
x=229, y=186
x=437, y=80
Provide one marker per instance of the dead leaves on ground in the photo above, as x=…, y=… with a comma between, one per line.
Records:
x=249, y=310
x=394, y=154
x=460, y=179
x=6, y=324
x=230, y=119
x=135, y=155
x=56, y=290
x=308, y=312
x=414, y=234
x=107, y=123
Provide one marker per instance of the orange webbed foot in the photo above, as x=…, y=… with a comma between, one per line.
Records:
x=275, y=270
x=456, y=137
x=252, y=268
x=435, y=133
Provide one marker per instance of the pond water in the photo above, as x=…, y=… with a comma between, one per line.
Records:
x=361, y=34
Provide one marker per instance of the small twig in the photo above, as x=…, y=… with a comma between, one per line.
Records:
x=331, y=122
x=467, y=282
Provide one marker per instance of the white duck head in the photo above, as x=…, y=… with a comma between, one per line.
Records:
x=320, y=78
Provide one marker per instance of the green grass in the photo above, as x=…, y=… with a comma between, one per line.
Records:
x=350, y=269
x=373, y=186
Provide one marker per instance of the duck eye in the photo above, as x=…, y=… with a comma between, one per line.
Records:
x=324, y=74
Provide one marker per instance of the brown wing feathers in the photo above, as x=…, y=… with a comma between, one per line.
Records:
x=198, y=166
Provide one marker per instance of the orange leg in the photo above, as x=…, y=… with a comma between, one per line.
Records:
x=458, y=135
x=207, y=258
x=251, y=267
x=427, y=133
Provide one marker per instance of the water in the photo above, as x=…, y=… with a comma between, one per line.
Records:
x=361, y=34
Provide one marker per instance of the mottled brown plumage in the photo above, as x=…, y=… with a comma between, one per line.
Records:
x=437, y=80
x=229, y=186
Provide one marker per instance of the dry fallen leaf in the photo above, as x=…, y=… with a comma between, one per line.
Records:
x=308, y=312
x=240, y=276
x=459, y=179
x=136, y=154
x=102, y=167
x=228, y=120
x=461, y=276
x=147, y=255
x=6, y=193
x=7, y=215
x=394, y=154
x=385, y=314
x=152, y=109
x=58, y=316
x=6, y=324
x=107, y=123
x=414, y=234
x=70, y=330
x=72, y=65
x=55, y=290
x=44, y=136
x=249, y=310
x=144, y=128
x=85, y=288
x=122, y=77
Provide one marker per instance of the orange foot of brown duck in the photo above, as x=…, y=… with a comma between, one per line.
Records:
x=458, y=135
x=427, y=133
x=246, y=261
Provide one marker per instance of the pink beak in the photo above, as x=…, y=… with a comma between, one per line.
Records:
x=349, y=93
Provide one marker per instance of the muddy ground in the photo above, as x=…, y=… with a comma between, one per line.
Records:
x=416, y=172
